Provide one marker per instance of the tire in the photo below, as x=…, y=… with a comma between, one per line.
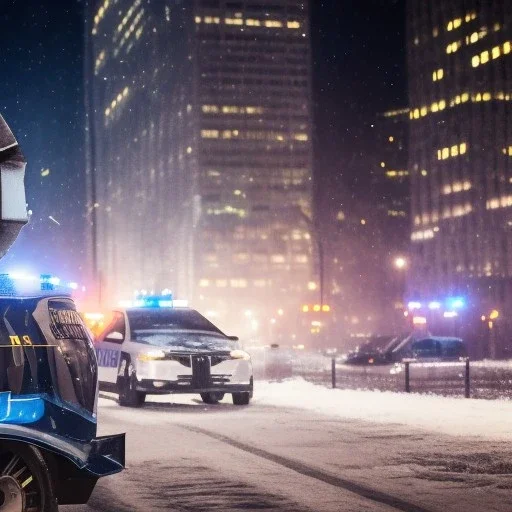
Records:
x=25, y=479
x=242, y=398
x=127, y=389
x=212, y=397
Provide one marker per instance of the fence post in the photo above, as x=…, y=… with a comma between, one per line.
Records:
x=407, y=378
x=467, y=389
x=333, y=372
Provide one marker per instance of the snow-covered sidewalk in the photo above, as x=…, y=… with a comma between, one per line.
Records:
x=454, y=416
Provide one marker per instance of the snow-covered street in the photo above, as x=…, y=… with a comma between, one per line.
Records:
x=299, y=447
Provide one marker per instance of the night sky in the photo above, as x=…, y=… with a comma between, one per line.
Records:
x=41, y=98
x=359, y=70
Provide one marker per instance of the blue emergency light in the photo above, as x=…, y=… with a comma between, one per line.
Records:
x=154, y=301
x=16, y=283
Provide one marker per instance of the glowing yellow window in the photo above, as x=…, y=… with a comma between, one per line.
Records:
x=454, y=151
x=486, y=96
x=484, y=57
x=439, y=154
x=457, y=23
x=473, y=38
x=416, y=113
x=496, y=52
x=478, y=97
x=423, y=111
x=475, y=61
x=293, y=24
x=506, y=47
x=464, y=97
x=449, y=27
x=440, y=74
x=198, y=19
x=445, y=153
x=463, y=148
x=442, y=105
x=434, y=107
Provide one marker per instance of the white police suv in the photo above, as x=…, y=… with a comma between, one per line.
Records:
x=155, y=348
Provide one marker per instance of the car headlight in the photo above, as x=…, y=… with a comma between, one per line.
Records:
x=152, y=355
x=240, y=354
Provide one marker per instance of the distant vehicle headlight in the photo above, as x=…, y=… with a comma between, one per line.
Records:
x=240, y=354
x=152, y=355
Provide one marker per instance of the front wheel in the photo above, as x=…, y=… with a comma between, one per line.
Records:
x=127, y=389
x=212, y=397
x=242, y=398
x=25, y=480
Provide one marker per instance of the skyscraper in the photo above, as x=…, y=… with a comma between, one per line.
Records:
x=391, y=177
x=460, y=93
x=201, y=162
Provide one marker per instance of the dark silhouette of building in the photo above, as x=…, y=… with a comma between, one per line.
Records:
x=460, y=92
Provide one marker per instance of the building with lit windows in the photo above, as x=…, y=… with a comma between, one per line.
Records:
x=390, y=175
x=460, y=94
x=200, y=162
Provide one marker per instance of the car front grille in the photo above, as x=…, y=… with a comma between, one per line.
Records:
x=200, y=371
x=219, y=359
x=184, y=360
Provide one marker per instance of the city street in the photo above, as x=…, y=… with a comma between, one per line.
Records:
x=183, y=455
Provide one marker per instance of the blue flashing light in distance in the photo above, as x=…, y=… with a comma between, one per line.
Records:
x=456, y=303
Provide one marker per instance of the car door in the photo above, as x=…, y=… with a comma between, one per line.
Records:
x=108, y=348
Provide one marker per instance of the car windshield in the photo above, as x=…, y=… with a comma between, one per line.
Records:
x=170, y=320
x=183, y=340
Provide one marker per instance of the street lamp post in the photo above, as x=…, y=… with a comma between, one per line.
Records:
x=315, y=232
x=321, y=266
x=400, y=263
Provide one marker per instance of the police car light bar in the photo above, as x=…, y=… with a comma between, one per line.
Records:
x=154, y=301
x=15, y=283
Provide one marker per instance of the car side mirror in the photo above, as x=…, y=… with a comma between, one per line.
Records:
x=114, y=336
x=233, y=338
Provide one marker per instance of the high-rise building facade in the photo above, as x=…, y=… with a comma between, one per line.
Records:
x=200, y=171
x=390, y=175
x=460, y=94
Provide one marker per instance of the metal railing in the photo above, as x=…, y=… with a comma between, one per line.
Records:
x=471, y=379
